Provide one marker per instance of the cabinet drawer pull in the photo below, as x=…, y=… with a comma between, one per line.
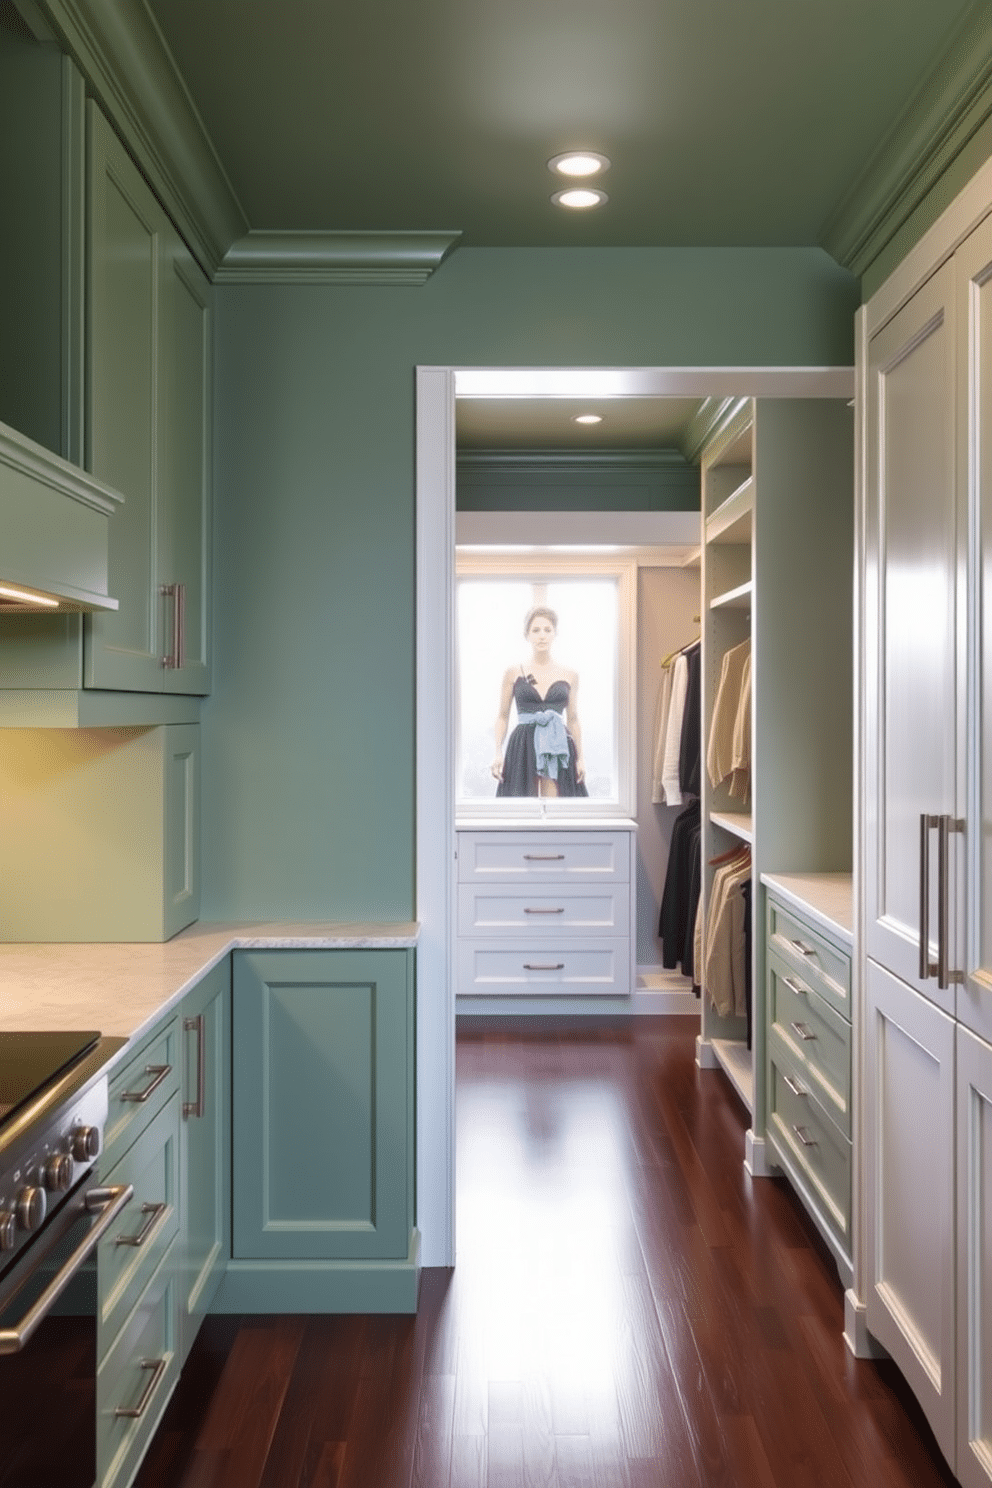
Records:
x=544, y=857
x=803, y=948
x=804, y=1033
x=804, y=1136
x=539, y=966
x=160, y=1071
x=156, y=1368
x=794, y=1086
x=796, y=987
x=197, y=1025
x=154, y=1212
x=543, y=911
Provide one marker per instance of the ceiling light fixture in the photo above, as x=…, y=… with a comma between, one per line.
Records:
x=579, y=198
x=578, y=163
x=587, y=418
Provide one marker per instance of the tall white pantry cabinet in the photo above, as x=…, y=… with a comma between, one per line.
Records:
x=925, y=947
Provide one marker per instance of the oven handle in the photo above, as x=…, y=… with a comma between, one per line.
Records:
x=108, y=1203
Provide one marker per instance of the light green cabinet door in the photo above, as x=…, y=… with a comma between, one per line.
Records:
x=322, y=1105
x=205, y=1148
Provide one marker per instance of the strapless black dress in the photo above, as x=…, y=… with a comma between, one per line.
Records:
x=520, y=761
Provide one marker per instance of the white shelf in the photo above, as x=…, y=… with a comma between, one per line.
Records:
x=740, y=823
x=734, y=599
x=734, y=1059
x=731, y=522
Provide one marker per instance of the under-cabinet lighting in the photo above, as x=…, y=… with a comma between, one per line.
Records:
x=26, y=596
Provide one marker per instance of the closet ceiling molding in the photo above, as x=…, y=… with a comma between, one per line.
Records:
x=348, y=257
x=950, y=105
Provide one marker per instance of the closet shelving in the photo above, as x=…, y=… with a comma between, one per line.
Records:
x=776, y=565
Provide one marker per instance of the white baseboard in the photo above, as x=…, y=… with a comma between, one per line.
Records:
x=657, y=990
x=860, y=1342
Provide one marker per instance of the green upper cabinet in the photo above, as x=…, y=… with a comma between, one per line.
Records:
x=147, y=430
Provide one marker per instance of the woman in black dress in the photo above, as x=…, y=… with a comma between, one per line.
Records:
x=544, y=753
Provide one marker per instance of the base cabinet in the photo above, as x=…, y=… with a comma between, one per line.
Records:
x=204, y=1148
x=974, y=1272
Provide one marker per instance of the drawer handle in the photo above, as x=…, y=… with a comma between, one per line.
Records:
x=803, y=948
x=538, y=966
x=543, y=911
x=155, y=1212
x=544, y=857
x=796, y=987
x=197, y=1025
x=160, y=1071
x=156, y=1368
x=804, y=1033
x=804, y=1136
x=795, y=1086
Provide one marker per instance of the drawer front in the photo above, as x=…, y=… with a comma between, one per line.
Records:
x=810, y=1147
x=816, y=1035
x=139, y=1091
x=494, y=968
x=538, y=856
x=135, y=1380
x=823, y=965
x=132, y=1249
x=536, y=909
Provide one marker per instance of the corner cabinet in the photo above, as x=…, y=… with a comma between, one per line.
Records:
x=323, y=1132
x=925, y=958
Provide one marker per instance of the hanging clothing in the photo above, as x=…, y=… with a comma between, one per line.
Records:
x=725, y=975
x=681, y=892
x=673, y=731
x=726, y=741
x=660, y=730
x=740, y=785
x=689, y=739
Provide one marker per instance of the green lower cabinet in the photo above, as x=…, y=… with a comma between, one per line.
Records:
x=323, y=1133
x=205, y=1148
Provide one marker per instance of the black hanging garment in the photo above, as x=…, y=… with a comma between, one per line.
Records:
x=677, y=919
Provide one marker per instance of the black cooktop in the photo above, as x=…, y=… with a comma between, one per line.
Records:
x=30, y=1060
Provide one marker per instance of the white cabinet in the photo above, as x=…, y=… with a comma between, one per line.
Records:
x=546, y=912
x=926, y=956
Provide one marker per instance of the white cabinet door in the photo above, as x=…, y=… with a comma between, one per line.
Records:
x=914, y=653
x=974, y=1166
x=909, y=1098
x=973, y=264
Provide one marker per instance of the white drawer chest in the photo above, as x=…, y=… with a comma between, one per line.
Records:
x=546, y=910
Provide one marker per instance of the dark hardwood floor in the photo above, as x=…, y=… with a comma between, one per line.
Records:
x=628, y=1309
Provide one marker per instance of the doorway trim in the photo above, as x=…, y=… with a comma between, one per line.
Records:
x=436, y=391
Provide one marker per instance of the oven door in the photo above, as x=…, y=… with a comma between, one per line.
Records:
x=48, y=1346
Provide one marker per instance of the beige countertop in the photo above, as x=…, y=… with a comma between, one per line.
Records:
x=122, y=989
x=825, y=898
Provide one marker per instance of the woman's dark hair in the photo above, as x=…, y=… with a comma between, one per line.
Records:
x=532, y=615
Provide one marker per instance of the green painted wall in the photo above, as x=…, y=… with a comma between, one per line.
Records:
x=650, y=480
x=308, y=773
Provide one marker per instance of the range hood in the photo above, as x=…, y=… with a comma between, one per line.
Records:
x=54, y=532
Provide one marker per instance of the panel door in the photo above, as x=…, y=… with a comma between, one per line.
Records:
x=126, y=224
x=909, y=1101
x=322, y=1105
x=914, y=646
x=973, y=263
x=184, y=466
x=205, y=1147
x=974, y=1088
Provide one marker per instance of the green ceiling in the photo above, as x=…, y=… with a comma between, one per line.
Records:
x=728, y=122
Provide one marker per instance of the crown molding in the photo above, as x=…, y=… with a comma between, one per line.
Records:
x=711, y=418
x=943, y=114
x=351, y=257
x=123, y=56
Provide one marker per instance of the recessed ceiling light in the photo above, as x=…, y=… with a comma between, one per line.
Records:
x=579, y=198
x=587, y=418
x=579, y=163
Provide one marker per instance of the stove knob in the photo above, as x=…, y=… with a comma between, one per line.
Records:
x=31, y=1208
x=86, y=1143
x=8, y=1229
x=57, y=1173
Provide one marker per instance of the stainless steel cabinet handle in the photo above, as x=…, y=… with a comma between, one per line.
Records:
x=544, y=857
x=171, y=659
x=154, y=1212
x=543, y=911
x=181, y=626
x=552, y=966
x=156, y=1369
x=804, y=1136
x=795, y=986
x=803, y=948
x=197, y=1025
x=108, y=1202
x=804, y=1033
x=945, y=826
x=794, y=1086
x=160, y=1071
x=927, y=969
